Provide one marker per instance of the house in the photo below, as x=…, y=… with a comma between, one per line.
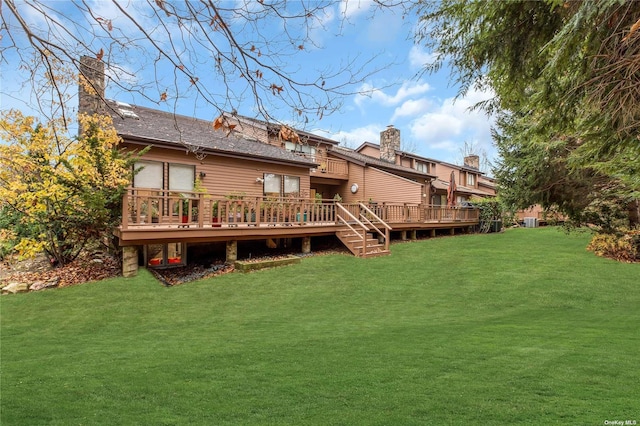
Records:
x=239, y=179
x=469, y=180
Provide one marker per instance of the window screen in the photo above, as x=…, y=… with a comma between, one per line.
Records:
x=149, y=175
x=272, y=184
x=181, y=177
x=291, y=184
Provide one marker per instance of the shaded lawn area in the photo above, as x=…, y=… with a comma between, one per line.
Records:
x=523, y=327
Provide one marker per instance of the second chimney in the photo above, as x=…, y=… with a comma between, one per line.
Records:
x=389, y=143
x=472, y=161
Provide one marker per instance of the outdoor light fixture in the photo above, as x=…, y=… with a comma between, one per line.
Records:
x=260, y=180
x=354, y=188
x=202, y=175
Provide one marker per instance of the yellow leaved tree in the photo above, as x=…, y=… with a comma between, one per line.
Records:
x=60, y=192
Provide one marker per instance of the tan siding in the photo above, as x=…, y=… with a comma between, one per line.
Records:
x=371, y=151
x=356, y=175
x=385, y=187
x=405, y=161
x=229, y=175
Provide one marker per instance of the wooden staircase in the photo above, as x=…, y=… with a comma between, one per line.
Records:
x=367, y=246
x=361, y=234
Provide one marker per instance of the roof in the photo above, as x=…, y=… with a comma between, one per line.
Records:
x=419, y=157
x=366, y=160
x=444, y=186
x=155, y=127
x=275, y=127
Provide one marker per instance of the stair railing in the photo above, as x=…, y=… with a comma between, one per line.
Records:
x=387, y=228
x=362, y=233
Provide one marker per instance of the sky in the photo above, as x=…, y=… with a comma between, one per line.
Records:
x=432, y=121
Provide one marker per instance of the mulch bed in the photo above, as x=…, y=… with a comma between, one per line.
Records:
x=95, y=267
x=88, y=268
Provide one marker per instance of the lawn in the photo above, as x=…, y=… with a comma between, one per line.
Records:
x=522, y=327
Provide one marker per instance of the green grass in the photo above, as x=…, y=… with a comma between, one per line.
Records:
x=524, y=327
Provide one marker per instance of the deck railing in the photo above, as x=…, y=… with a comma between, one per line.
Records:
x=151, y=208
x=328, y=165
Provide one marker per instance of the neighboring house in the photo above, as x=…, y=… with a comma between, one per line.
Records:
x=352, y=175
x=469, y=180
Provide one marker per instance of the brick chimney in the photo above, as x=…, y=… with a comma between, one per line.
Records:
x=472, y=161
x=91, y=85
x=389, y=143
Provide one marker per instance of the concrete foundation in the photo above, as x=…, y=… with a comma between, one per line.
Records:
x=232, y=251
x=306, y=245
x=129, y=261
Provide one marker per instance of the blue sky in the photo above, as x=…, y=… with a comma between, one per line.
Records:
x=432, y=123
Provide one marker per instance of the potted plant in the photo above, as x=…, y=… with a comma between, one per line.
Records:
x=214, y=215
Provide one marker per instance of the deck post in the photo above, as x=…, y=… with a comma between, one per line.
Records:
x=403, y=235
x=306, y=245
x=452, y=231
x=232, y=251
x=129, y=261
x=413, y=234
x=433, y=233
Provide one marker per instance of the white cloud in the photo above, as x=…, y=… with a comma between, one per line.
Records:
x=410, y=108
x=418, y=57
x=452, y=123
x=355, y=137
x=407, y=90
x=351, y=8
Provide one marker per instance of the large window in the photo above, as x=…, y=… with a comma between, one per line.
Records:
x=148, y=174
x=471, y=179
x=281, y=186
x=272, y=185
x=181, y=177
x=422, y=167
x=291, y=185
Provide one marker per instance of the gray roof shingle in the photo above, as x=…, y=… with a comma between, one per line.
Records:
x=366, y=160
x=158, y=127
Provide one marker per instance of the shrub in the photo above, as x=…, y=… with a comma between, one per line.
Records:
x=624, y=247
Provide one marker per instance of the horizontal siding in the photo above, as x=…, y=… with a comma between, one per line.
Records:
x=225, y=175
x=385, y=187
x=370, y=151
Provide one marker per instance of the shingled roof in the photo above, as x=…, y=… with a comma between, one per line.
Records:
x=366, y=160
x=153, y=127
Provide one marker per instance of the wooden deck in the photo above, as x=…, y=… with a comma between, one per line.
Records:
x=153, y=216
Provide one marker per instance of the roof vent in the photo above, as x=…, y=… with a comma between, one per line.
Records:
x=127, y=113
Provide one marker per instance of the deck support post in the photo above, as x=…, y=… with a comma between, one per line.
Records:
x=452, y=231
x=433, y=233
x=403, y=235
x=306, y=245
x=413, y=234
x=232, y=251
x=129, y=261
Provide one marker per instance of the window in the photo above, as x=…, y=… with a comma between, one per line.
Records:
x=471, y=179
x=148, y=174
x=272, y=184
x=300, y=148
x=422, y=167
x=291, y=185
x=181, y=177
x=278, y=185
